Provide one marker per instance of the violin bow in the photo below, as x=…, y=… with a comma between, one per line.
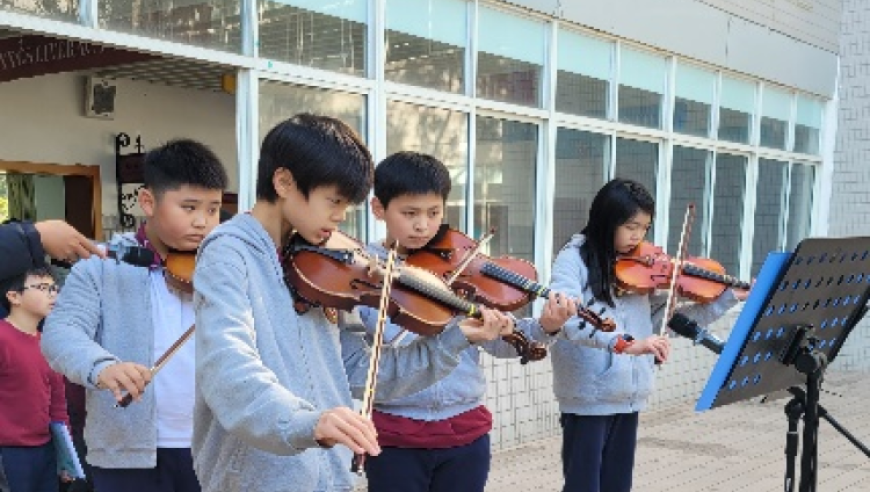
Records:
x=128, y=398
x=470, y=256
x=677, y=267
x=368, y=400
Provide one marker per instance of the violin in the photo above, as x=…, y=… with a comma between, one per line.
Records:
x=504, y=283
x=648, y=268
x=179, y=270
x=179, y=266
x=337, y=275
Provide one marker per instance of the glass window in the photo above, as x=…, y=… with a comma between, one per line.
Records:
x=638, y=160
x=504, y=185
x=581, y=160
x=690, y=178
x=694, y=100
x=210, y=23
x=736, y=105
x=510, y=58
x=807, y=124
x=800, y=204
x=425, y=41
x=584, y=73
x=726, y=212
x=441, y=133
x=281, y=101
x=641, y=85
x=325, y=34
x=65, y=11
x=775, y=111
x=769, y=211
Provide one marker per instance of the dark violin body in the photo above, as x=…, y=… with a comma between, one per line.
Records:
x=337, y=275
x=648, y=268
x=503, y=283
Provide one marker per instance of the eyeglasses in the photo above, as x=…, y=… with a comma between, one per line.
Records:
x=44, y=287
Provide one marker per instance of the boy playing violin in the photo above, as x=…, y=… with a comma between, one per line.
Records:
x=436, y=440
x=113, y=320
x=273, y=385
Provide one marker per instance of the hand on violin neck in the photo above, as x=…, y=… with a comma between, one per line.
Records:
x=742, y=294
x=491, y=325
x=557, y=310
x=341, y=425
x=124, y=377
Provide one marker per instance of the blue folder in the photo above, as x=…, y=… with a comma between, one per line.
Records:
x=67, y=458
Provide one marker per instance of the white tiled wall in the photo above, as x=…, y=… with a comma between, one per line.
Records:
x=850, y=197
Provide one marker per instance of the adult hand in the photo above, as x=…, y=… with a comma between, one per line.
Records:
x=63, y=242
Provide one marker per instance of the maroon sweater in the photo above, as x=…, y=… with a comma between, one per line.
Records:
x=31, y=394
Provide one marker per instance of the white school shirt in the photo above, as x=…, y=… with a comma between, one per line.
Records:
x=172, y=314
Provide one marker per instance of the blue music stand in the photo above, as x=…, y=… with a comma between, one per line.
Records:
x=800, y=312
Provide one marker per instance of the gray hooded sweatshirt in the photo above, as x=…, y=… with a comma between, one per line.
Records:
x=590, y=381
x=103, y=316
x=265, y=374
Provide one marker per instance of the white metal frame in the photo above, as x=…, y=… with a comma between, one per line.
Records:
x=252, y=70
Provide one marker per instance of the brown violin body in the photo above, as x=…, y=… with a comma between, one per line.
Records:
x=500, y=283
x=649, y=268
x=179, y=270
x=337, y=275
x=504, y=283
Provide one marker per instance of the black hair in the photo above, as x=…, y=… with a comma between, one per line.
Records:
x=410, y=173
x=16, y=284
x=318, y=151
x=183, y=162
x=614, y=205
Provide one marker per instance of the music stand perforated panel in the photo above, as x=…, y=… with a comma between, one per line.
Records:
x=824, y=283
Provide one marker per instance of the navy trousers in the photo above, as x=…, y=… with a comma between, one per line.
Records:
x=173, y=473
x=598, y=452
x=459, y=469
x=30, y=469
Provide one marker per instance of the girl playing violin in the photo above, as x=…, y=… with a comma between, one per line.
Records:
x=600, y=390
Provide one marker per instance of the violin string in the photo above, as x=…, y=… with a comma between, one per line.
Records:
x=445, y=297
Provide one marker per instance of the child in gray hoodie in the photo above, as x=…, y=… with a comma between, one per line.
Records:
x=113, y=320
x=273, y=392
x=436, y=440
x=600, y=390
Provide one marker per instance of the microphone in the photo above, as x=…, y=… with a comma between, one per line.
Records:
x=686, y=327
x=133, y=255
